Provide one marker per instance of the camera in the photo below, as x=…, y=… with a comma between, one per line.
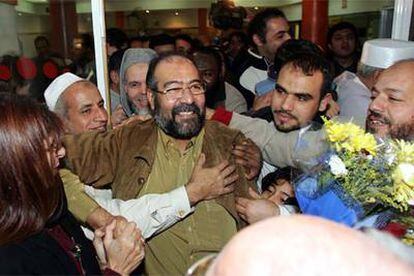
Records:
x=224, y=15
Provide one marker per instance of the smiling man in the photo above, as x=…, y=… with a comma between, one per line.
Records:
x=152, y=212
x=133, y=89
x=391, y=112
x=78, y=102
x=159, y=155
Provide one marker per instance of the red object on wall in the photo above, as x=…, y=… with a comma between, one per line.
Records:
x=5, y=73
x=315, y=21
x=120, y=19
x=50, y=70
x=26, y=68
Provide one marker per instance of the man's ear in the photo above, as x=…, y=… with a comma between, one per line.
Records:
x=150, y=97
x=323, y=105
x=257, y=40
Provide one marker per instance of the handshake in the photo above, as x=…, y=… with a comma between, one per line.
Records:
x=119, y=246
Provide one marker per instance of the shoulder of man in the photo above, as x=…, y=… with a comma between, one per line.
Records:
x=221, y=132
x=135, y=127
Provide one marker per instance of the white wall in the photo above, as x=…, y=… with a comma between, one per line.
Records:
x=294, y=11
x=29, y=26
x=8, y=32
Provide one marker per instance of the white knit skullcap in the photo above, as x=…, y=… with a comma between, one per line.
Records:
x=382, y=53
x=57, y=87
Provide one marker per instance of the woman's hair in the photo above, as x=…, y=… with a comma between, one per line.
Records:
x=30, y=189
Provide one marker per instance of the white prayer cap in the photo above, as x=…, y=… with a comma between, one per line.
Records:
x=382, y=53
x=57, y=87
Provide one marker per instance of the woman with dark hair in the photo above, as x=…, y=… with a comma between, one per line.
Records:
x=37, y=233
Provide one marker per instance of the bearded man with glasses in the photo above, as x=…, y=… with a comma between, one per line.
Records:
x=160, y=154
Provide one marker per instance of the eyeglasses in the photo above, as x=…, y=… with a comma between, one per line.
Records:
x=176, y=91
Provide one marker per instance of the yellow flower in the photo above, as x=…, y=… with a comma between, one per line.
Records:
x=405, y=173
x=404, y=151
x=339, y=132
x=365, y=141
x=403, y=177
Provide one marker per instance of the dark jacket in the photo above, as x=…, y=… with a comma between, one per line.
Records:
x=41, y=254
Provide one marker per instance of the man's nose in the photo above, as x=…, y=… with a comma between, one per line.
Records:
x=288, y=103
x=187, y=96
x=378, y=104
x=101, y=115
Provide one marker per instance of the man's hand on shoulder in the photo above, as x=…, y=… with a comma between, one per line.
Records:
x=249, y=156
x=209, y=183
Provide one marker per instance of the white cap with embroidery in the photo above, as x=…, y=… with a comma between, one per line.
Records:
x=57, y=87
x=382, y=53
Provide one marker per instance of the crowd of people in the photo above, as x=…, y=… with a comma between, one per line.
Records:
x=203, y=143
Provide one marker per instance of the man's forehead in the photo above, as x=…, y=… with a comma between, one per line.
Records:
x=396, y=79
x=277, y=24
x=343, y=32
x=137, y=67
x=136, y=71
x=180, y=64
x=82, y=93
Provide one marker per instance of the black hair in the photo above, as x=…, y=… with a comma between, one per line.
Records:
x=41, y=38
x=286, y=173
x=292, y=47
x=258, y=24
x=115, y=61
x=116, y=37
x=185, y=37
x=341, y=26
x=212, y=52
x=87, y=41
x=241, y=35
x=161, y=39
x=310, y=63
x=150, y=79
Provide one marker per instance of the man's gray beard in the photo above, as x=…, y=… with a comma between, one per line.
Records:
x=187, y=130
x=136, y=111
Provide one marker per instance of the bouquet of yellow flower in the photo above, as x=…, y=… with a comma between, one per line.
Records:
x=358, y=177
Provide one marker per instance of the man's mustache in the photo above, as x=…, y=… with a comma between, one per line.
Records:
x=186, y=108
x=375, y=116
x=285, y=113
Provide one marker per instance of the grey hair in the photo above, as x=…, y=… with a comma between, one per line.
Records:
x=61, y=108
x=366, y=70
